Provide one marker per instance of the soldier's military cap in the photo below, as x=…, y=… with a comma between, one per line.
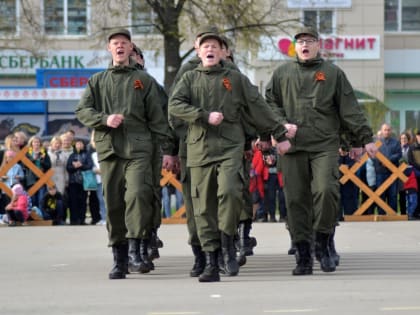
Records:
x=121, y=31
x=137, y=50
x=307, y=31
x=226, y=41
x=206, y=29
x=215, y=36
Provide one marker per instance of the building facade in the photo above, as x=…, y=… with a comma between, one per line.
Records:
x=47, y=57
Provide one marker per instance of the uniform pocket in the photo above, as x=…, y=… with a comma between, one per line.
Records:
x=140, y=143
x=195, y=198
x=195, y=134
x=233, y=132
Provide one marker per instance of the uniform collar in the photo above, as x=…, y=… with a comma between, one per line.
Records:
x=213, y=69
x=310, y=63
x=130, y=67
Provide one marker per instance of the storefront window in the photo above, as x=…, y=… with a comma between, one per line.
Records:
x=65, y=17
x=8, y=16
x=410, y=15
x=402, y=15
x=321, y=20
x=412, y=120
x=395, y=120
x=143, y=17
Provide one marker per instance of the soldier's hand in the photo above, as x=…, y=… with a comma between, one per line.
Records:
x=168, y=162
x=283, y=147
x=215, y=118
x=291, y=130
x=177, y=165
x=356, y=154
x=248, y=154
x=371, y=149
x=264, y=145
x=114, y=120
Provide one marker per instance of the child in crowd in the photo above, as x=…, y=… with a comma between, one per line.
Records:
x=13, y=176
x=410, y=187
x=256, y=184
x=17, y=209
x=271, y=185
x=52, y=206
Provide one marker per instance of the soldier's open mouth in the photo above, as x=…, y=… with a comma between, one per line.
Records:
x=120, y=52
x=210, y=56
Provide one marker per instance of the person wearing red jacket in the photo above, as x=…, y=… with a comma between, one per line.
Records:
x=17, y=209
x=271, y=185
x=411, y=188
x=256, y=186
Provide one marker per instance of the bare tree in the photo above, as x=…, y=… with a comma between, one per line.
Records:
x=243, y=21
x=169, y=13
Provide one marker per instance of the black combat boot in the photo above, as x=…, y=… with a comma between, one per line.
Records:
x=199, y=261
x=144, y=255
x=153, y=247
x=303, y=259
x=211, y=271
x=331, y=245
x=322, y=252
x=292, y=249
x=241, y=259
x=159, y=242
x=220, y=261
x=119, y=269
x=246, y=243
x=231, y=266
x=135, y=264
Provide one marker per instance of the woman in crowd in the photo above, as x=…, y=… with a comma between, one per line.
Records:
x=10, y=143
x=58, y=163
x=22, y=139
x=97, y=170
x=38, y=155
x=77, y=162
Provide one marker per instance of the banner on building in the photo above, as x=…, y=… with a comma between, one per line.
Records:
x=349, y=47
x=319, y=4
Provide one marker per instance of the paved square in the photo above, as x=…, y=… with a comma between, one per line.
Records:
x=64, y=270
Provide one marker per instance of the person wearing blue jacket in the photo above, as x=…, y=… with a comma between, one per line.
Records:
x=391, y=149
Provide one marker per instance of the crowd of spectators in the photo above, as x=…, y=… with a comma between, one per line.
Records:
x=400, y=196
x=267, y=182
x=66, y=202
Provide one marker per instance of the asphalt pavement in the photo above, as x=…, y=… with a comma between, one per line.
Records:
x=64, y=270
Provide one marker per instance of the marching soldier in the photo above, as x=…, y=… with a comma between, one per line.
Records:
x=314, y=100
x=122, y=104
x=213, y=100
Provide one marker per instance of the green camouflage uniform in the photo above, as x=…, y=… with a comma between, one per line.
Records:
x=318, y=98
x=180, y=127
x=215, y=153
x=125, y=152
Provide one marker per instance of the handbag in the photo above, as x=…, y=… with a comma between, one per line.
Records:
x=89, y=180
